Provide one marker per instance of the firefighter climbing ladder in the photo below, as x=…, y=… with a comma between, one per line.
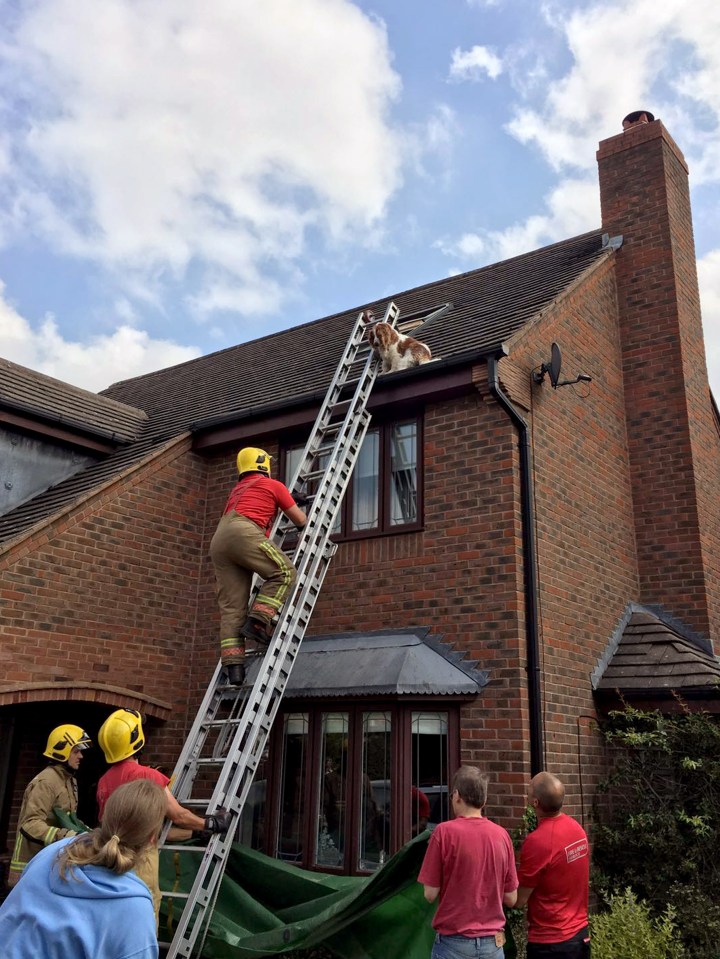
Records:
x=231, y=729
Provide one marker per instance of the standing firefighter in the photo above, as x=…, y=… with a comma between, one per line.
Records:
x=121, y=738
x=240, y=547
x=55, y=787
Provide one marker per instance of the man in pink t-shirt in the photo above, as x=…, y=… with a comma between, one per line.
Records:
x=470, y=866
x=554, y=874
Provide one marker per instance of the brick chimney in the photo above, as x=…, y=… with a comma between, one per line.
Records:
x=673, y=436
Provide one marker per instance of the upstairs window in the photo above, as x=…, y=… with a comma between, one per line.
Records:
x=385, y=491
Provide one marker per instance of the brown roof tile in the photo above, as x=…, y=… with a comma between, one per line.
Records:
x=43, y=397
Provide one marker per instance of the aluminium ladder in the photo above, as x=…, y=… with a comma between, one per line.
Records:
x=232, y=726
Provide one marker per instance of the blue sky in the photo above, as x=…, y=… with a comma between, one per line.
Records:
x=178, y=177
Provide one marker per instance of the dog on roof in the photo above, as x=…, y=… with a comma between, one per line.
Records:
x=395, y=350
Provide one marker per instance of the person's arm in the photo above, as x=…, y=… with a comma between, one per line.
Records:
x=36, y=824
x=181, y=816
x=510, y=899
x=296, y=515
x=217, y=822
x=431, y=893
x=523, y=894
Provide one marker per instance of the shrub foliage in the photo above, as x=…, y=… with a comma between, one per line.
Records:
x=627, y=929
x=658, y=822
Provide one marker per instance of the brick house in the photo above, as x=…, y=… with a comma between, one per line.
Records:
x=515, y=553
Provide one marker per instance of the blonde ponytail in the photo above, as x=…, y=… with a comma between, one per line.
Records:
x=132, y=820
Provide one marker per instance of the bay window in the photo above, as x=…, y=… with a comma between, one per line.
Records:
x=350, y=785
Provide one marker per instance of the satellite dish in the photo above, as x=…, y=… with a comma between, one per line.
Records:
x=553, y=368
x=555, y=364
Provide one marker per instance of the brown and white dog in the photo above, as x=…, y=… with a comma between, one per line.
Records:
x=397, y=351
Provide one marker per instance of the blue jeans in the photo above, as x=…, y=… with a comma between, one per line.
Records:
x=463, y=947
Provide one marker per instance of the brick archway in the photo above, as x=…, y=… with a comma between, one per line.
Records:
x=117, y=697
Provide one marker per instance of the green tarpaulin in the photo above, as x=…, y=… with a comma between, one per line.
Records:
x=267, y=907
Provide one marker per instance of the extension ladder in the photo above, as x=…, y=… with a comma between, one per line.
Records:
x=232, y=726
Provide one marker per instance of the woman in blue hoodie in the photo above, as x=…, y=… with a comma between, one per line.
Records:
x=80, y=898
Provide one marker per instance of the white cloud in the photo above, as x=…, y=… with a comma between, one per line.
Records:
x=629, y=55
x=429, y=146
x=171, y=140
x=573, y=207
x=94, y=365
x=709, y=277
x=474, y=64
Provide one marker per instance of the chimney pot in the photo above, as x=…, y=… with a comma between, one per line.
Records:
x=638, y=116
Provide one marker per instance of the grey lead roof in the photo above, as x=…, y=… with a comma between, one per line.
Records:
x=381, y=663
x=489, y=305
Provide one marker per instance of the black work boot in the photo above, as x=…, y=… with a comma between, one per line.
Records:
x=258, y=630
x=235, y=673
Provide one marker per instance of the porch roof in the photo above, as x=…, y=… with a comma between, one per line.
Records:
x=380, y=663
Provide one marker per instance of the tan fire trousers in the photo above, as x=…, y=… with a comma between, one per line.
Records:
x=238, y=549
x=147, y=868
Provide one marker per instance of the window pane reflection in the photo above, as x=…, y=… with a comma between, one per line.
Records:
x=365, y=506
x=251, y=831
x=293, y=457
x=429, y=769
x=374, y=826
x=332, y=815
x=403, y=470
x=292, y=788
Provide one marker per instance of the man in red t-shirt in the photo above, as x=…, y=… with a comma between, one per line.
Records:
x=470, y=865
x=121, y=738
x=240, y=547
x=554, y=874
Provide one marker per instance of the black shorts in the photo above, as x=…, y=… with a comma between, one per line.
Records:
x=576, y=948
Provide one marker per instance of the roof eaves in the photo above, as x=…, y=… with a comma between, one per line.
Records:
x=81, y=427
x=426, y=371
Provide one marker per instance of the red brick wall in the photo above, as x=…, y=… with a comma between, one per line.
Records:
x=674, y=445
x=107, y=594
x=587, y=566
x=462, y=575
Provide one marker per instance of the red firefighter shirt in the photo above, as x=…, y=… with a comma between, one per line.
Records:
x=126, y=771
x=259, y=498
x=555, y=864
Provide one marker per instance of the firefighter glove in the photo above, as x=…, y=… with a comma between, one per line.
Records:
x=218, y=822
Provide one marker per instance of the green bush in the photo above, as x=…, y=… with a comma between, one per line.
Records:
x=657, y=820
x=628, y=930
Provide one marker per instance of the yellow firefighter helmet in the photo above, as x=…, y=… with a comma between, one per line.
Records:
x=121, y=735
x=253, y=460
x=63, y=739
